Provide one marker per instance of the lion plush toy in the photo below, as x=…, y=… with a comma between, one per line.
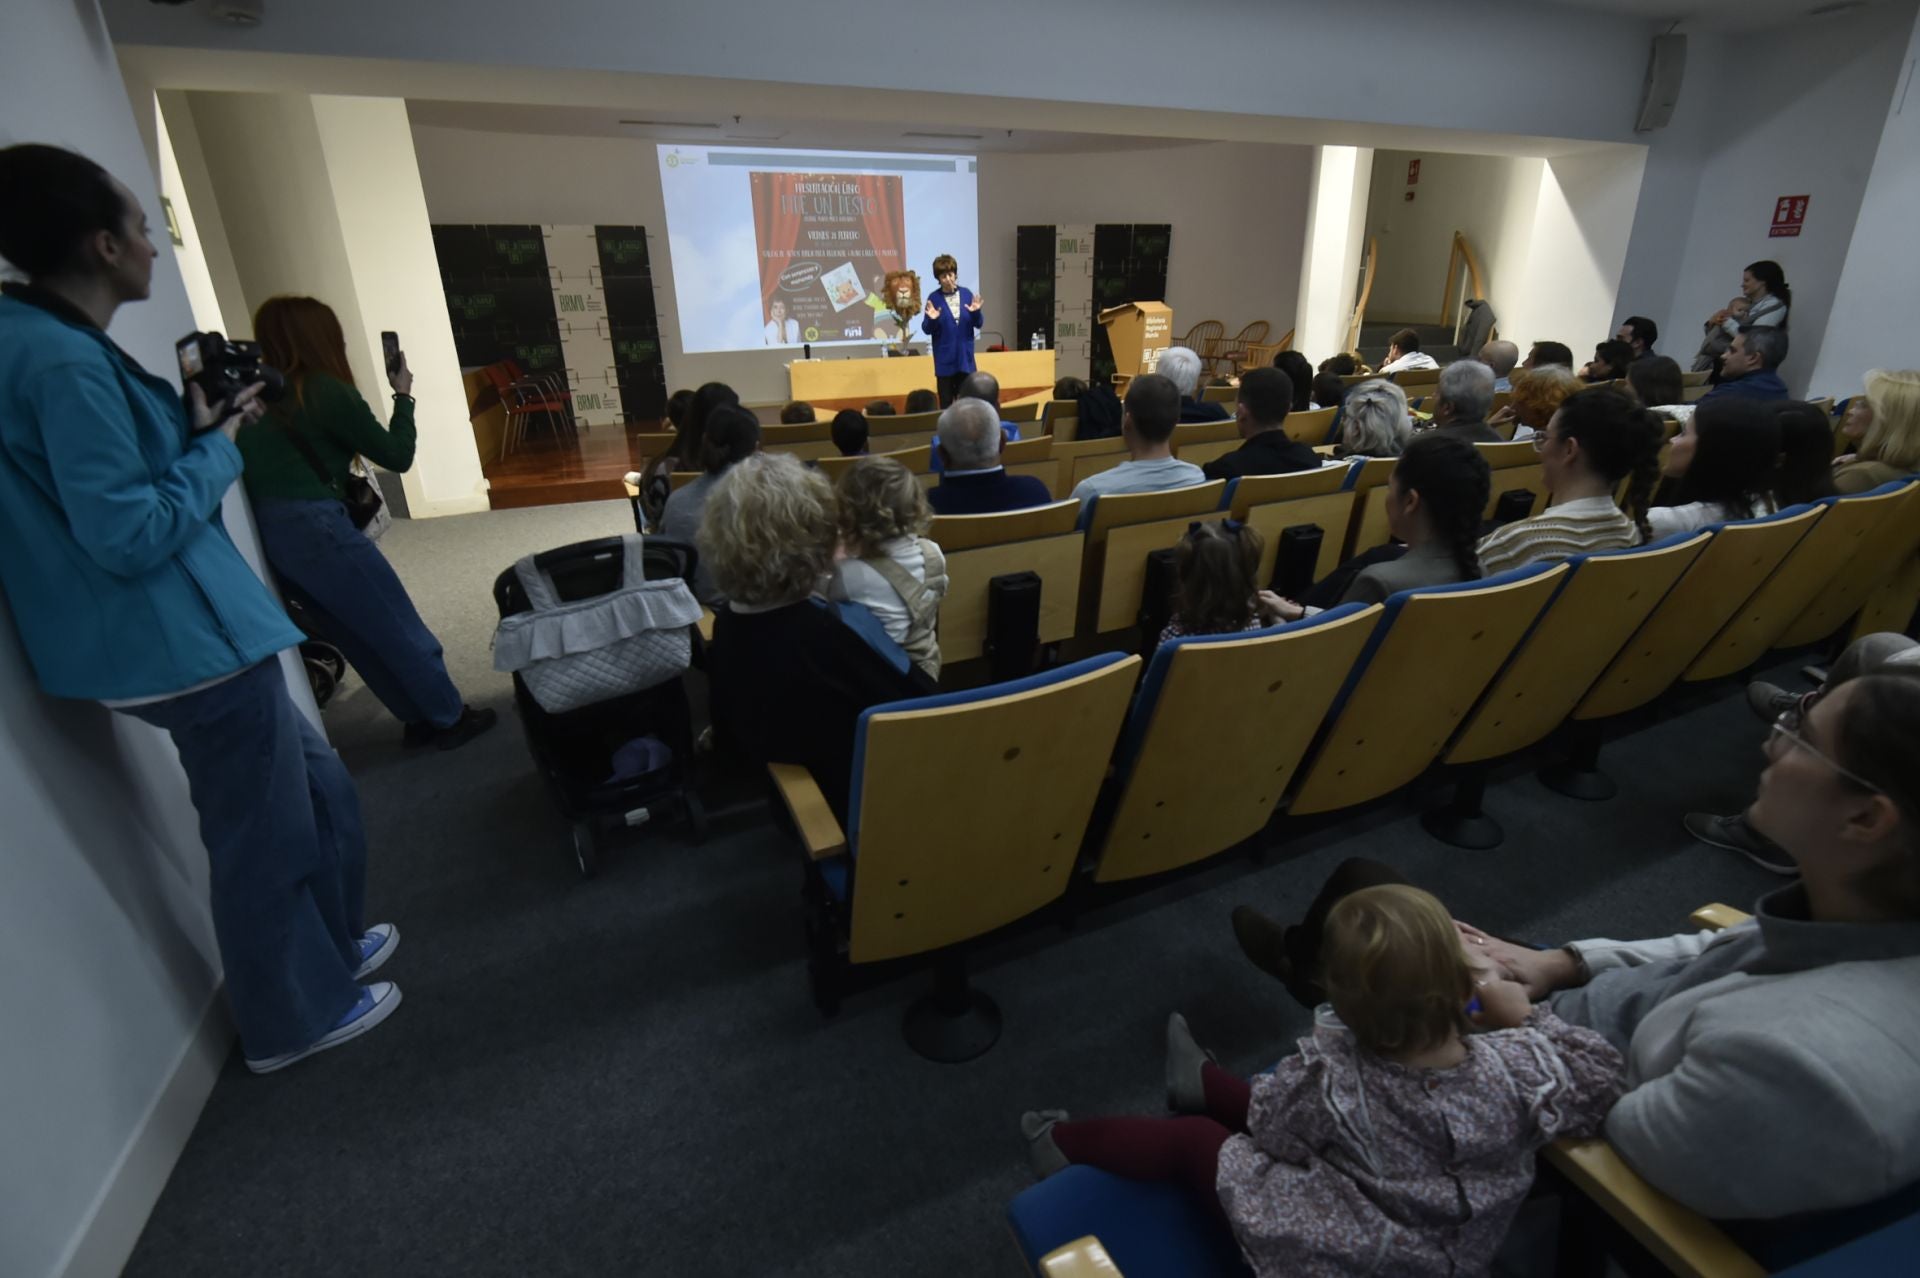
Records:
x=900, y=296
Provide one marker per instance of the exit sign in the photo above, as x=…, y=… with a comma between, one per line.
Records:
x=1789, y=215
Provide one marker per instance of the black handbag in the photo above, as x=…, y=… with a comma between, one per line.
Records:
x=357, y=493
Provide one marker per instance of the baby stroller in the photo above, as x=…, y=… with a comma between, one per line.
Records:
x=599, y=598
x=326, y=665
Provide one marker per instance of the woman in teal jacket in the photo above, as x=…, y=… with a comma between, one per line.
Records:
x=127, y=590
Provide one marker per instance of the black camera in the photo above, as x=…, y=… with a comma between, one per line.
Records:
x=222, y=369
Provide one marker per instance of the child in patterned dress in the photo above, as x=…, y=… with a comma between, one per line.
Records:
x=1398, y=1140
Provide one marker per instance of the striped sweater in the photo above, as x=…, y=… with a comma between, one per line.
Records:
x=1571, y=528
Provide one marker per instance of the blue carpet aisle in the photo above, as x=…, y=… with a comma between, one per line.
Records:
x=627, y=1076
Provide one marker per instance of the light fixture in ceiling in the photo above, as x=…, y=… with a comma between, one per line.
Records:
x=1838, y=7
x=666, y=124
x=944, y=137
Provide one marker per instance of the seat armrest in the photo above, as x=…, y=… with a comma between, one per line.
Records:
x=1686, y=1243
x=1717, y=917
x=705, y=626
x=1081, y=1258
x=820, y=832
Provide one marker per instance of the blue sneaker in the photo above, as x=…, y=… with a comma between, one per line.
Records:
x=375, y=1004
x=376, y=947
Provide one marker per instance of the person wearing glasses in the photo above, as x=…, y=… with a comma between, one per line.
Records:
x=1595, y=440
x=1771, y=703
x=1773, y=1068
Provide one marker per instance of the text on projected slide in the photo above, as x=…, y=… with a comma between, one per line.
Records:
x=779, y=248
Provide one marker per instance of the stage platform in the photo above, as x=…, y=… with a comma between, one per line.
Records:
x=833, y=384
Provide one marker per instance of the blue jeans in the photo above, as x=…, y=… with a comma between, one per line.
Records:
x=356, y=602
x=286, y=852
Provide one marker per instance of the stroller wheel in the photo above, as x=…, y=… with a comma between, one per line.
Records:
x=585, y=853
x=322, y=680
x=335, y=660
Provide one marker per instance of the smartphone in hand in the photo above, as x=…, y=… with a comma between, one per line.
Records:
x=390, y=349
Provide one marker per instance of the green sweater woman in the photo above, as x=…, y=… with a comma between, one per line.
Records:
x=297, y=459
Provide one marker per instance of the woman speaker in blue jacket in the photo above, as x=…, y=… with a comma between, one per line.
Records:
x=127, y=590
x=951, y=319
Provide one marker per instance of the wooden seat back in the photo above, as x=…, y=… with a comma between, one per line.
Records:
x=1039, y=448
x=964, y=532
x=1249, y=491
x=1054, y=411
x=1501, y=456
x=918, y=460
x=1055, y=559
x=1215, y=735
x=776, y=433
x=1115, y=566
x=1021, y=412
x=1039, y=748
x=1508, y=479
x=1370, y=474
x=1332, y=513
x=1434, y=653
x=1879, y=559
x=1725, y=574
x=1842, y=536
x=1605, y=599
x=1310, y=427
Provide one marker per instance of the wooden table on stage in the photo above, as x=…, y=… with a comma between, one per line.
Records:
x=854, y=383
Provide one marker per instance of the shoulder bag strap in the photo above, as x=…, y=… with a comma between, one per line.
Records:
x=912, y=591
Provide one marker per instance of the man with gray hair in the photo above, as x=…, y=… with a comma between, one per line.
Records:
x=1500, y=356
x=1462, y=401
x=984, y=386
x=1746, y=370
x=1181, y=366
x=973, y=482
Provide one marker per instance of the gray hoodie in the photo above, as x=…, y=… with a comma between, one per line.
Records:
x=1773, y=1068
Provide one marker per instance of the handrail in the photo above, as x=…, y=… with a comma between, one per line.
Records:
x=1460, y=251
x=1366, y=291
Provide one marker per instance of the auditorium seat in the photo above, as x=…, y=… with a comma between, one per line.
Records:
x=1370, y=525
x=1083, y=457
x=1213, y=739
x=1724, y=576
x=1369, y=474
x=1508, y=479
x=1332, y=513
x=1122, y=530
x=1244, y=492
x=1314, y=426
x=1201, y=442
x=1055, y=411
x=1149, y=1229
x=780, y=433
x=1432, y=654
x=1038, y=448
x=1879, y=559
x=918, y=460
x=1843, y=536
x=916, y=874
x=1043, y=540
x=1603, y=599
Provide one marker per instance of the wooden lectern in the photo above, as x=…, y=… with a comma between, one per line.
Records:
x=1140, y=333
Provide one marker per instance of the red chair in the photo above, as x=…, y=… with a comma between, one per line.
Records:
x=523, y=399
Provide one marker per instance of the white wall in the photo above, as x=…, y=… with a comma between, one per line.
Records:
x=1333, y=251
x=1238, y=212
x=1793, y=110
x=108, y=968
x=1581, y=221
x=319, y=196
x=1868, y=328
x=1489, y=198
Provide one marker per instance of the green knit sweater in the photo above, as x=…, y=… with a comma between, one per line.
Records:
x=330, y=415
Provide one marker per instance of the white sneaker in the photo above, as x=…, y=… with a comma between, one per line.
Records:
x=376, y=947
x=375, y=1004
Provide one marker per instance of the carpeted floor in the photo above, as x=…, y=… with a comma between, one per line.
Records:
x=626, y=1076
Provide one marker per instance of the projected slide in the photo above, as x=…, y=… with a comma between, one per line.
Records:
x=779, y=248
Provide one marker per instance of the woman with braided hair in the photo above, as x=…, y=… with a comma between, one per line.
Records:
x=1596, y=439
x=1435, y=496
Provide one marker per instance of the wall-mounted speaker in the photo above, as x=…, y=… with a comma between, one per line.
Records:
x=1666, y=67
